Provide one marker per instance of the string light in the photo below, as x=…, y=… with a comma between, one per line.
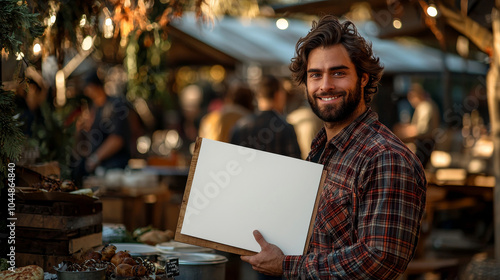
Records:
x=83, y=21
x=432, y=10
x=19, y=55
x=37, y=48
x=60, y=88
x=396, y=23
x=108, y=21
x=108, y=28
x=87, y=43
x=282, y=24
x=108, y=24
x=52, y=19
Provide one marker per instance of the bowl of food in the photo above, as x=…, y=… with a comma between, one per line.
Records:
x=75, y=271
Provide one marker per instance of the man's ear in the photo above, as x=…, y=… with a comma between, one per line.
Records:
x=364, y=79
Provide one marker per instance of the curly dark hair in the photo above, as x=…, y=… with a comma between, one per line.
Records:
x=329, y=31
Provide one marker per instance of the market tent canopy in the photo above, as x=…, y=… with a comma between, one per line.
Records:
x=230, y=40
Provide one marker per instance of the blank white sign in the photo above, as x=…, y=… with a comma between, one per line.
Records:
x=236, y=190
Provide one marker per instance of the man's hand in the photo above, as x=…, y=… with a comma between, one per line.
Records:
x=269, y=260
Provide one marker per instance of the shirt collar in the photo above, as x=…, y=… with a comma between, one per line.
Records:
x=342, y=139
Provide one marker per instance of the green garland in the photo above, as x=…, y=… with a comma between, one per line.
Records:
x=11, y=136
x=18, y=26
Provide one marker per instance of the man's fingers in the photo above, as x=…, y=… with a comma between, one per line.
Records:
x=259, y=238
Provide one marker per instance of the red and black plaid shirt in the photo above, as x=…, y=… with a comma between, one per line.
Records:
x=371, y=206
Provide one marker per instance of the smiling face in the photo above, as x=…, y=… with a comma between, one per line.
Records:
x=334, y=90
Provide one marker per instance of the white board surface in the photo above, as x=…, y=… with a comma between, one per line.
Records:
x=236, y=190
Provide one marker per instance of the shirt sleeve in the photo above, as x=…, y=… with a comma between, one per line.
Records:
x=391, y=203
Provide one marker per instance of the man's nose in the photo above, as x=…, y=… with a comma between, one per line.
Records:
x=327, y=83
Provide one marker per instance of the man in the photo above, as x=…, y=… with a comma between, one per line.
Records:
x=267, y=130
x=424, y=123
x=103, y=131
x=371, y=205
x=238, y=103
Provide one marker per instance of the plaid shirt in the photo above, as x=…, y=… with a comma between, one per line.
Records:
x=371, y=206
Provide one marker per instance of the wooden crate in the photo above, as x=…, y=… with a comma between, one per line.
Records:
x=47, y=262
x=49, y=231
x=57, y=242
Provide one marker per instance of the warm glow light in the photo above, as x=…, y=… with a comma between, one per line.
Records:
x=451, y=174
x=83, y=21
x=108, y=21
x=37, y=48
x=143, y=144
x=19, y=55
x=397, y=23
x=60, y=88
x=282, y=23
x=432, y=10
x=87, y=43
x=476, y=166
x=137, y=163
x=52, y=19
x=440, y=159
x=172, y=139
x=108, y=28
x=484, y=148
x=217, y=73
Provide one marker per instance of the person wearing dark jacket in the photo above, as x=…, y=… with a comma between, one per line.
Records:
x=267, y=129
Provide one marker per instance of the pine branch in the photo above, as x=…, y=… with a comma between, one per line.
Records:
x=17, y=24
x=11, y=136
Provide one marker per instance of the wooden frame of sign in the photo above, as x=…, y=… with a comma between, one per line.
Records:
x=216, y=245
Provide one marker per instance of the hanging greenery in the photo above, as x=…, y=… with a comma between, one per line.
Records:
x=11, y=136
x=18, y=27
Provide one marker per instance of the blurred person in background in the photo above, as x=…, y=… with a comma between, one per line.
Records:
x=238, y=102
x=267, y=129
x=29, y=98
x=305, y=122
x=419, y=133
x=103, y=131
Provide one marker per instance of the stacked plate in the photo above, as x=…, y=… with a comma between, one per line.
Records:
x=174, y=246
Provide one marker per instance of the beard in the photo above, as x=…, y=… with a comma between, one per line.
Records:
x=338, y=112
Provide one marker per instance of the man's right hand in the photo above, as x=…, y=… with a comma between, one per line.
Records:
x=270, y=259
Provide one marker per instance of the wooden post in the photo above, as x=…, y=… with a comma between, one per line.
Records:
x=493, y=92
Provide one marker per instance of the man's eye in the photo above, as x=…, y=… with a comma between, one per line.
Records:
x=338, y=74
x=314, y=75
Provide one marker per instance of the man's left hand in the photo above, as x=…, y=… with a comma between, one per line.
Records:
x=269, y=260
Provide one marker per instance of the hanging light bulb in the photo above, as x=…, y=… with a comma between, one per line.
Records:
x=83, y=20
x=52, y=19
x=282, y=23
x=87, y=43
x=396, y=23
x=432, y=10
x=37, y=48
x=108, y=27
x=60, y=88
x=19, y=55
